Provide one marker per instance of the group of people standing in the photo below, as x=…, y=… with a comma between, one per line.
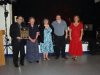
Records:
x=52, y=39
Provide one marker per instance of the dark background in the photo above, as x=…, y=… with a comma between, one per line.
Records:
x=49, y=8
x=88, y=10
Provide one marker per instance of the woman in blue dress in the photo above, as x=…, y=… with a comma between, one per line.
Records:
x=46, y=45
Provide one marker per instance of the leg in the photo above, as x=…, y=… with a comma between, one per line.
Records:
x=63, y=52
x=36, y=52
x=57, y=52
x=29, y=51
x=22, y=53
x=47, y=56
x=63, y=47
x=44, y=56
x=15, y=47
x=15, y=57
x=57, y=47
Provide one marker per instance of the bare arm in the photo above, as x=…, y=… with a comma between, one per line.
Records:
x=34, y=40
x=70, y=32
x=30, y=38
x=37, y=34
x=81, y=34
x=66, y=33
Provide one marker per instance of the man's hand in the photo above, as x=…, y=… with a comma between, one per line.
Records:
x=70, y=38
x=19, y=38
x=80, y=39
x=66, y=36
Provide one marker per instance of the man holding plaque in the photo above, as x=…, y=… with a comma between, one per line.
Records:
x=17, y=41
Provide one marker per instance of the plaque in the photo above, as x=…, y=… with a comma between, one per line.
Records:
x=24, y=33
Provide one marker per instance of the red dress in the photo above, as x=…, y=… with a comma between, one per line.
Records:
x=75, y=47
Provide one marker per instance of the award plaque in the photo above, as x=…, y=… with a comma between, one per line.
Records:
x=24, y=33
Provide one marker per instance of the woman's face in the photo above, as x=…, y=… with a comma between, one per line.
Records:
x=76, y=19
x=32, y=21
x=46, y=21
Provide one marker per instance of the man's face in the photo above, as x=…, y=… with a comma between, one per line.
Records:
x=19, y=20
x=58, y=17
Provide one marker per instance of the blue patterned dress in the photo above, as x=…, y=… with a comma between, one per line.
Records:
x=47, y=45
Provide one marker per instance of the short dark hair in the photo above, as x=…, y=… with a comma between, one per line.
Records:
x=18, y=17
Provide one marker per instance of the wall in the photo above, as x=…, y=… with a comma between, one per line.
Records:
x=9, y=18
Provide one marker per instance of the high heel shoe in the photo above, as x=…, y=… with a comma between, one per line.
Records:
x=44, y=59
x=47, y=59
x=74, y=58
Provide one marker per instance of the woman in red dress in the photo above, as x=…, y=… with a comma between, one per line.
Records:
x=75, y=34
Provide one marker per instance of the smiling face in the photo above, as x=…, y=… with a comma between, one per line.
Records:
x=76, y=19
x=58, y=17
x=46, y=22
x=19, y=20
x=32, y=21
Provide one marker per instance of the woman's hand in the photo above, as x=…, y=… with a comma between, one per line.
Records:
x=34, y=40
x=80, y=38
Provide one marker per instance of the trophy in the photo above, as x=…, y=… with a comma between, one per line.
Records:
x=24, y=33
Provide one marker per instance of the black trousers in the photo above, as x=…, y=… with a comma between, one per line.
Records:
x=18, y=46
x=59, y=42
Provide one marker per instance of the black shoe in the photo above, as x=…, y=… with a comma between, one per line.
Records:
x=37, y=61
x=56, y=57
x=16, y=65
x=74, y=58
x=65, y=58
x=30, y=61
x=22, y=64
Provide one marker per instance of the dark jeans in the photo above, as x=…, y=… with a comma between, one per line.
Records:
x=59, y=42
x=18, y=46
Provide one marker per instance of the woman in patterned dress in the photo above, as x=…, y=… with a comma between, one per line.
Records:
x=32, y=52
x=46, y=44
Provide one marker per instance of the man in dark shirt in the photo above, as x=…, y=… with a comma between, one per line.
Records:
x=17, y=41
